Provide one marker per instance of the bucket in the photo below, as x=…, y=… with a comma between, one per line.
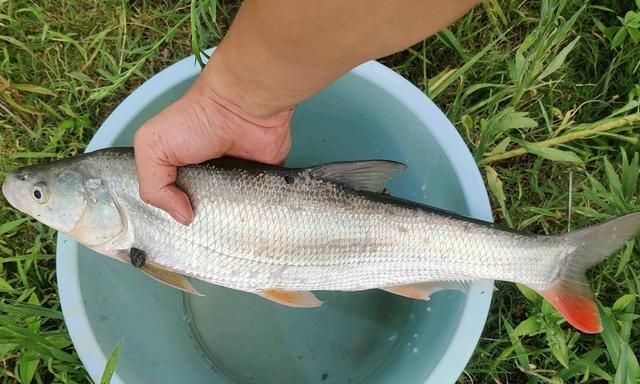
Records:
x=229, y=336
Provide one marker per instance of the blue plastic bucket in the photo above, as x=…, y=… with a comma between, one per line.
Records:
x=234, y=337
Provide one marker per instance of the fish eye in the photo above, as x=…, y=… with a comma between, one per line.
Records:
x=40, y=193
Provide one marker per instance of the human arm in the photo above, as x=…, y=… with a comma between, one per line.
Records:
x=276, y=54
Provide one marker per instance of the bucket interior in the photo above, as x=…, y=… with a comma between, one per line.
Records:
x=235, y=337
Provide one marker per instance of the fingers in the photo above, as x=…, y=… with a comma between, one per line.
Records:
x=180, y=134
x=157, y=184
x=157, y=176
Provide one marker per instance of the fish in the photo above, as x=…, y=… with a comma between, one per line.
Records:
x=282, y=233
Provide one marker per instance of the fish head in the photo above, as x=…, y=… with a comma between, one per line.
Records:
x=65, y=198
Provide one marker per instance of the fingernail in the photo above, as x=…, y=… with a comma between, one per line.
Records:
x=179, y=217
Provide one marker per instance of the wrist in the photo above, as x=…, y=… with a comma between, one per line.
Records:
x=229, y=83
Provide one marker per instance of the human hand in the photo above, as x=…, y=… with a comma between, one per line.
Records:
x=201, y=126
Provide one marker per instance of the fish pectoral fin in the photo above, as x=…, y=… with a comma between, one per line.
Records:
x=169, y=278
x=296, y=299
x=423, y=291
x=360, y=175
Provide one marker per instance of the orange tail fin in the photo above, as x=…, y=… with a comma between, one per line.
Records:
x=571, y=294
x=577, y=308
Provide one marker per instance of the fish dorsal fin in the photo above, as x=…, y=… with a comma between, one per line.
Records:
x=370, y=175
x=169, y=278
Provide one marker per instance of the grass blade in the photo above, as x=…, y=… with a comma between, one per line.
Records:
x=11, y=225
x=110, y=367
x=557, y=61
x=548, y=153
x=495, y=185
x=461, y=71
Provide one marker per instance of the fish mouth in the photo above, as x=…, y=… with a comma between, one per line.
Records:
x=7, y=190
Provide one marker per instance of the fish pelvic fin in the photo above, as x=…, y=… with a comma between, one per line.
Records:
x=169, y=278
x=296, y=299
x=571, y=294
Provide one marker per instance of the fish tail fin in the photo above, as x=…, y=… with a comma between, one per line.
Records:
x=571, y=294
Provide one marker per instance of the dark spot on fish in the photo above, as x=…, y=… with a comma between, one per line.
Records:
x=138, y=257
x=289, y=179
x=324, y=376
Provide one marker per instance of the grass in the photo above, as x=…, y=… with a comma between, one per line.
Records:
x=543, y=92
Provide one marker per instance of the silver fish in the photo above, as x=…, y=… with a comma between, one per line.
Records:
x=281, y=233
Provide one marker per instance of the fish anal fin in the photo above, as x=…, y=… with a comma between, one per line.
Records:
x=169, y=278
x=296, y=299
x=368, y=175
x=423, y=291
x=576, y=306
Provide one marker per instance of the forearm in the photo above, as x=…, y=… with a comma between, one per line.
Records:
x=280, y=52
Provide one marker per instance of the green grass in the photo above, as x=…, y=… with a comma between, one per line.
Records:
x=544, y=94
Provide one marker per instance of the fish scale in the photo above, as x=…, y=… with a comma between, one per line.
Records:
x=281, y=232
